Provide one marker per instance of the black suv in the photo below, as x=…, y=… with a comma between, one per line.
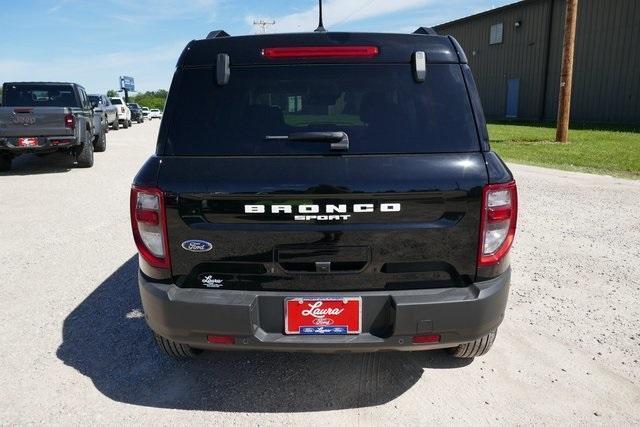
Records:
x=324, y=192
x=136, y=113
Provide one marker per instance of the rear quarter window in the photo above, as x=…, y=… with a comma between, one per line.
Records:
x=379, y=106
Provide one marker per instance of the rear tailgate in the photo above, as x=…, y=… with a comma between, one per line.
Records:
x=324, y=223
x=34, y=121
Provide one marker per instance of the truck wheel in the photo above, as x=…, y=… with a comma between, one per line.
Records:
x=5, y=163
x=125, y=124
x=100, y=142
x=85, y=157
x=116, y=124
x=176, y=350
x=475, y=348
x=130, y=123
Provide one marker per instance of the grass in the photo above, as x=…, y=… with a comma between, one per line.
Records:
x=604, y=149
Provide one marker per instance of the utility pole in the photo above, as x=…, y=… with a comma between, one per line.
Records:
x=566, y=74
x=262, y=24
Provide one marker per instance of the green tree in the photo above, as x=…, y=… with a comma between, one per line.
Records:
x=112, y=93
x=151, y=99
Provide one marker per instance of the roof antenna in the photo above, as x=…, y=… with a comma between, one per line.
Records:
x=320, y=28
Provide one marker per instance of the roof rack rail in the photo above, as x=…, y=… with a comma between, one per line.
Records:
x=216, y=34
x=428, y=31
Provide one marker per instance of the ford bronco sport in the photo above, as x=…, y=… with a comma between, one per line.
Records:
x=324, y=192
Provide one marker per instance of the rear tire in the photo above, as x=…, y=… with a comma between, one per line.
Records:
x=100, y=143
x=116, y=124
x=476, y=348
x=5, y=163
x=174, y=349
x=130, y=124
x=85, y=157
x=125, y=124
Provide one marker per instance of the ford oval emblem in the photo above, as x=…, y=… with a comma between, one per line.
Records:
x=197, y=246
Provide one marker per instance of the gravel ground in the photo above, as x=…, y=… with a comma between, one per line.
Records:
x=74, y=348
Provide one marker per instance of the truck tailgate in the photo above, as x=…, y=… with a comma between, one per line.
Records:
x=34, y=121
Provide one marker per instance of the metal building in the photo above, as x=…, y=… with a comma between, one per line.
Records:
x=515, y=52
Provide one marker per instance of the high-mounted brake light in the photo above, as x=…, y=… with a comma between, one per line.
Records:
x=498, y=222
x=320, y=52
x=149, y=225
x=69, y=121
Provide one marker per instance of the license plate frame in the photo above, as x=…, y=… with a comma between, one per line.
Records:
x=346, y=322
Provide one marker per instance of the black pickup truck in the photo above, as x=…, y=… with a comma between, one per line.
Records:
x=324, y=192
x=42, y=118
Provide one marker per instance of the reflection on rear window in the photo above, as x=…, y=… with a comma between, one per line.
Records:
x=39, y=96
x=380, y=107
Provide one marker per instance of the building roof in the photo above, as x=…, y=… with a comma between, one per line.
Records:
x=485, y=13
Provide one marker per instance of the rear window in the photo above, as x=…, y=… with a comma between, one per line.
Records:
x=35, y=95
x=116, y=101
x=380, y=107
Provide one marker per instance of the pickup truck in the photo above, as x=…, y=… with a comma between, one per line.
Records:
x=124, y=114
x=42, y=118
x=324, y=192
x=102, y=105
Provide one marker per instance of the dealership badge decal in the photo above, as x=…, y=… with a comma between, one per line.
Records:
x=211, y=282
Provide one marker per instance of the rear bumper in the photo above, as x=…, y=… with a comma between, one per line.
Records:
x=46, y=144
x=389, y=319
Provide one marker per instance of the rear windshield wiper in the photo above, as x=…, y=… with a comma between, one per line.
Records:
x=338, y=140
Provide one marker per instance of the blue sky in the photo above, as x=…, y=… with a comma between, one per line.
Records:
x=93, y=42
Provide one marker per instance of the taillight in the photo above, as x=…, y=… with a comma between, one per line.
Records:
x=69, y=121
x=149, y=225
x=320, y=52
x=498, y=222
x=122, y=109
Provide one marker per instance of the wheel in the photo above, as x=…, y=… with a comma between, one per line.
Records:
x=125, y=124
x=176, y=350
x=84, y=157
x=116, y=123
x=140, y=120
x=476, y=348
x=129, y=123
x=5, y=163
x=100, y=142
x=106, y=121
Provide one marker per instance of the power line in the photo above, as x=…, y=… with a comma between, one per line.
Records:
x=356, y=10
x=262, y=25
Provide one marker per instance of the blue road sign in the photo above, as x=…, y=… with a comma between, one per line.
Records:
x=127, y=83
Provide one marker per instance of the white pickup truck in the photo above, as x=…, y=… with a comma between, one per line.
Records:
x=124, y=114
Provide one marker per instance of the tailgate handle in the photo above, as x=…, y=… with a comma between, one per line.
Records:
x=323, y=267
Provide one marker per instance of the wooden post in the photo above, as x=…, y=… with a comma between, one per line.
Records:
x=566, y=75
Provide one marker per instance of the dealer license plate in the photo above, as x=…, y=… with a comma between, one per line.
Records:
x=323, y=316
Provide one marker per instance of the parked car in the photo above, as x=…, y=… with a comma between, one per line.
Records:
x=43, y=118
x=145, y=112
x=321, y=204
x=155, y=113
x=136, y=112
x=124, y=114
x=102, y=105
